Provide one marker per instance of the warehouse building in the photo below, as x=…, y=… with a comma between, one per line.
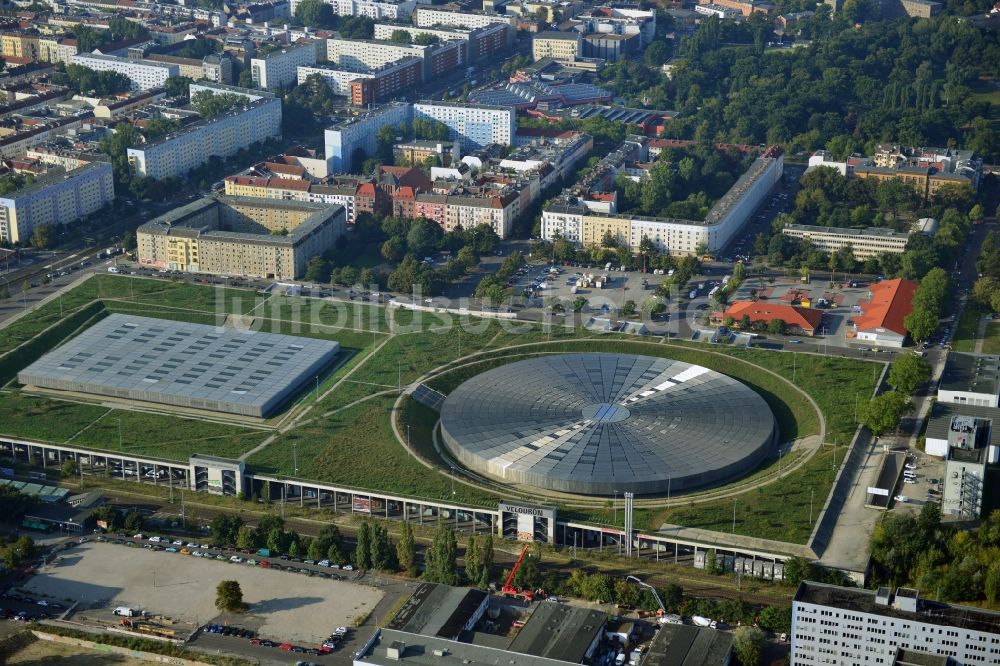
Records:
x=183, y=364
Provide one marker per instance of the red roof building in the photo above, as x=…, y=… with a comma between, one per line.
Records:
x=882, y=315
x=797, y=319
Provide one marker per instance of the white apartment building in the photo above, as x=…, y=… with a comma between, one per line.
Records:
x=378, y=10
x=383, y=31
x=364, y=54
x=56, y=197
x=358, y=133
x=144, y=74
x=221, y=88
x=339, y=80
x=279, y=68
x=857, y=627
x=191, y=146
x=474, y=125
x=428, y=17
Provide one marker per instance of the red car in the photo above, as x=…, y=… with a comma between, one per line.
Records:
x=285, y=646
x=265, y=564
x=254, y=641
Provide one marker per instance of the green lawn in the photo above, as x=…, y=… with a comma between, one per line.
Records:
x=44, y=419
x=168, y=436
x=965, y=333
x=991, y=343
x=356, y=447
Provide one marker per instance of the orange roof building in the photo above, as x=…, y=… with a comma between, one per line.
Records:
x=882, y=315
x=797, y=319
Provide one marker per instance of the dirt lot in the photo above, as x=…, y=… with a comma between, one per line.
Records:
x=283, y=605
x=47, y=652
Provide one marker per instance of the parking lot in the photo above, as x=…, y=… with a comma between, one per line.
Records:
x=284, y=606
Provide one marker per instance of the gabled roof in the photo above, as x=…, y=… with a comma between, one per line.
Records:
x=891, y=301
x=806, y=319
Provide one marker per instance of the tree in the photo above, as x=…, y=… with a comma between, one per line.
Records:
x=383, y=556
x=209, y=104
x=908, y=372
x=627, y=594
x=883, y=412
x=178, y=86
x=318, y=270
x=976, y=213
x=134, y=522
x=229, y=597
x=657, y=53
x=748, y=644
x=246, y=538
x=42, y=236
x=921, y=324
x=579, y=303
x=629, y=309
x=423, y=236
x=69, y=468
x=472, y=559
x=441, y=557
x=363, y=546
x=315, y=14
x=485, y=560
x=129, y=242
x=406, y=550
x=224, y=529
x=777, y=326
x=776, y=618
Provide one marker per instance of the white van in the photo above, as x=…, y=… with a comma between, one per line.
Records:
x=125, y=611
x=113, y=269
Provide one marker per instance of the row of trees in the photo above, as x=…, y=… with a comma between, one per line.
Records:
x=956, y=563
x=84, y=80
x=317, y=14
x=929, y=303
x=494, y=287
x=270, y=533
x=883, y=413
x=15, y=552
x=89, y=38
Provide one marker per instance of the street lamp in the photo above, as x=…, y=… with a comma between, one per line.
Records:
x=614, y=504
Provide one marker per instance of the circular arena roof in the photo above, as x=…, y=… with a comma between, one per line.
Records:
x=594, y=424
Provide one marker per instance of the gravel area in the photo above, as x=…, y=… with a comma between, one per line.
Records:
x=284, y=605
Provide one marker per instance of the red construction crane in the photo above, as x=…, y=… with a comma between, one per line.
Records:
x=508, y=585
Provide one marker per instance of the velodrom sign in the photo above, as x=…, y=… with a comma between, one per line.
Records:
x=526, y=522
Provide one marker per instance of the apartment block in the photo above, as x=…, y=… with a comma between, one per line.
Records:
x=56, y=197
x=189, y=147
x=474, y=125
x=378, y=10
x=279, y=69
x=241, y=236
x=584, y=214
x=851, y=626
x=370, y=86
x=144, y=74
x=429, y=17
x=483, y=43
x=355, y=136
x=561, y=46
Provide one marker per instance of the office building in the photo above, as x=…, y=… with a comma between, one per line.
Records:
x=864, y=243
x=55, y=197
x=241, y=236
x=354, y=138
x=968, y=439
x=279, y=69
x=561, y=46
x=849, y=626
x=474, y=126
x=970, y=379
x=224, y=135
x=144, y=74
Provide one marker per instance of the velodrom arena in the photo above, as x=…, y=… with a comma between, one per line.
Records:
x=600, y=423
